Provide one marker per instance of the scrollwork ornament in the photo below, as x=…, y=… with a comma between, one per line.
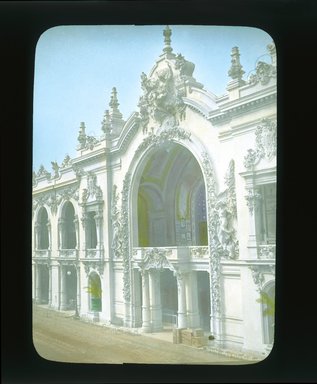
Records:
x=166, y=135
x=253, y=199
x=266, y=139
x=155, y=258
x=125, y=237
x=213, y=220
x=258, y=277
x=116, y=244
x=250, y=159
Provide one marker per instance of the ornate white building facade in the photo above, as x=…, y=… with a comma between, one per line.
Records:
x=168, y=217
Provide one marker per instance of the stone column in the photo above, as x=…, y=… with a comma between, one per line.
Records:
x=61, y=227
x=49, y=285
x=76, y=223
x=146, y=325
x=63, y=303
x=37, y=231
x=181, y=312
x=155, y=300
x=192, y=300
x=253, y=199
x=48, y=225
x=77, y=268
x=37, y=283
x=84, y=224
x=98, y=220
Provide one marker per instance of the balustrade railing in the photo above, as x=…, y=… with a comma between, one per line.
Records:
x=93, y=253
x=199, y=252
x=68, y=253
x=42, y=253
x=172, y=253
x=266, y=251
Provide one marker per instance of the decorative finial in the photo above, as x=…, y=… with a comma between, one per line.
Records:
x=236, y=71
x=114, y=104
x=167, y=39
x=82, y=135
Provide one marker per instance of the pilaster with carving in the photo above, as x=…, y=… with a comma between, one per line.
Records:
x=125, y=247
x=116, y=244
x=225, y=217
x=214, y=265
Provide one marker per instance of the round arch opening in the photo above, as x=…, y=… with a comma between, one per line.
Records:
x=43, y=237
x=169, y=199
x=69, y=229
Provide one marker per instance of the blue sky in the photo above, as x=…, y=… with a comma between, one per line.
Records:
x=77, y=66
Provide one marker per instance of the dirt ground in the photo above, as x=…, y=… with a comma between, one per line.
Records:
x=58, y=336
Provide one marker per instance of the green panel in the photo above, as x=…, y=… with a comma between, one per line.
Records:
x=203, y=237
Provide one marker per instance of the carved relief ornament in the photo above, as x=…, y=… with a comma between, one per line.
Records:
x=93, y=192
x=265, y=144
x=155, y=258
x=161, y=99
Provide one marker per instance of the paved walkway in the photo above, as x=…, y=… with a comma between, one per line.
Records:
x=58, y=336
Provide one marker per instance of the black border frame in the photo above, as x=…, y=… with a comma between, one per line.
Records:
x=291, y=25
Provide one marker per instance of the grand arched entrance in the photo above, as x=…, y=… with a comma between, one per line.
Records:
x=169, y=221
x=170, y=198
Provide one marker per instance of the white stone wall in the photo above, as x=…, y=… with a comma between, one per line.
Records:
x=225, y=139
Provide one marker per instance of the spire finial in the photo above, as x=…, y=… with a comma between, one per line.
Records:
x=236, y=71
x=114, y=104
x=167, y=39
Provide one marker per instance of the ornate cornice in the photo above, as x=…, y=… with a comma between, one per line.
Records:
x=244, y=107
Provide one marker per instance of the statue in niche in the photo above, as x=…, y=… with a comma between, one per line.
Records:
x=226, y=232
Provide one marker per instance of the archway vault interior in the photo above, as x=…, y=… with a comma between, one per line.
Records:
x=170, y=199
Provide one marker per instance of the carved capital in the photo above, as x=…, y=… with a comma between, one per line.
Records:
x=253, y=199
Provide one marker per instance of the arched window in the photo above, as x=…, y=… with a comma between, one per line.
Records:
x=43, y=240
x=268, y=312
x=91, y=233
x=94, y=292
x=69, y=227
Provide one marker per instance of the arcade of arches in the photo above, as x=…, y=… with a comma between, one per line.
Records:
x=168, y=218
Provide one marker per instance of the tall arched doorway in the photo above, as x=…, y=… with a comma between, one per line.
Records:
x=170, y=199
